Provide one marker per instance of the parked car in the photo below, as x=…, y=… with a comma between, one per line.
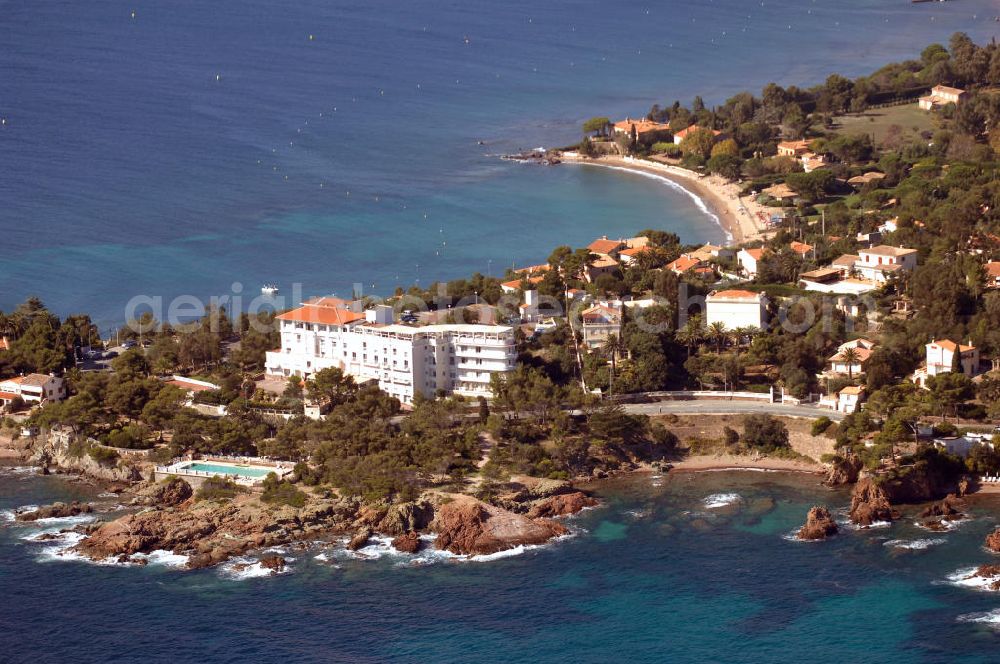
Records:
x=130, y=344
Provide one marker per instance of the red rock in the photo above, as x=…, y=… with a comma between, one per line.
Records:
x=993, y=541
x=407, y=543
x=273, y=562
x=468, y=526
x=819, y=525
x=561, y=505
x=869, y=503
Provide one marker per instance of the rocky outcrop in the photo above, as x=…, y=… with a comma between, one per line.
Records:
x=819, y=525
x=468, y=526
x=844, y=470
x=360, y=539
x=993, y=541
x=274, y=563
x=406, y=517
x=937, y=514
x=55, y=450
x=869, y=503
x=950, y=507
x=988, y=572
x=407, y=543
x=561, y=505
x=170, y=492
x=56, y=511
x=213, y=532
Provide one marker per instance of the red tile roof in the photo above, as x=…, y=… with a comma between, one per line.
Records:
x=683, y=133
x=801, y=248
x=683, y=264
x=734, y=294
x=324, y=315
x=641, y=126
x=604, y=245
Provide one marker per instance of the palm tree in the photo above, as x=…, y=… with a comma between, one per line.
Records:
x=691, y=334
x=614, y=347
x=717, y=332
x=850, y=357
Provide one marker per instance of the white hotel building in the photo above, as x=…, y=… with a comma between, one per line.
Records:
x=405, y=359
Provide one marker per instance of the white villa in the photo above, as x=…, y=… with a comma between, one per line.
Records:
x=748, y=259
x=941, y=95
x=406, y=360
x=736, y=308
x=879, y=263
x=862, y=349
x=941, y=356
x=32, y=389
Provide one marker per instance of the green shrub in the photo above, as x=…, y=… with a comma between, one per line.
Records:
x=103, y=455
x=218, y=488
x=820, y=425
x=281, y=492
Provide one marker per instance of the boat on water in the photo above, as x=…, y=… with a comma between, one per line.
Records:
x=269, y=289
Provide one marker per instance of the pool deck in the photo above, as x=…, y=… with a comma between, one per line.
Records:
x=195, y=477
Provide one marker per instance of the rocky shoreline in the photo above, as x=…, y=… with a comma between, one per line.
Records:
x=168, y=517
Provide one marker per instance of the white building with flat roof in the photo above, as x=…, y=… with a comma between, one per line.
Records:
x=736, y=308
x=406, y=360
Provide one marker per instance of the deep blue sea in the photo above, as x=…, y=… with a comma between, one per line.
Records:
x=193, y=145
x=200, y=144
x=679, y=568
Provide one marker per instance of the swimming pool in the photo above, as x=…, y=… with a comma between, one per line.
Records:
x=223, y=469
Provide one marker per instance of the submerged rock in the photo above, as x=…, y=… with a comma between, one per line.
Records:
x=56, y=511
x=468, y=526
x=819, y=525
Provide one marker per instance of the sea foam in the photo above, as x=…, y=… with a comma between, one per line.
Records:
x=717, y=500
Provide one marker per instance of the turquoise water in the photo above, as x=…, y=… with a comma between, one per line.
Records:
x=242, y=471
x=653, y=575
x=201, y=144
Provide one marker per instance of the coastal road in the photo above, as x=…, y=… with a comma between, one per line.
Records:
x=727, y=407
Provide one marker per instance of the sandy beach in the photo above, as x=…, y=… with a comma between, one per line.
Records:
x=737, y=462
x=738, y=216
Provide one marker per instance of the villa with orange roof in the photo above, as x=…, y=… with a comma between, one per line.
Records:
x=684, y=133
x=793, y=148
x=801, y=248
x=863, y=349
x=602, y=265
x=682, y=264
x=749, y=258
x=645, y=130
x=736, y=308
x=514, y=285
x=602, y=246
x=629, y=256
x=992, y=270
